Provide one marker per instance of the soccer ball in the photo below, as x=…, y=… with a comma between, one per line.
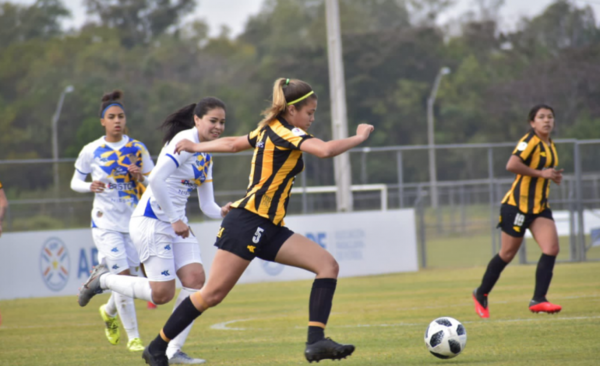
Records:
x=445, y=337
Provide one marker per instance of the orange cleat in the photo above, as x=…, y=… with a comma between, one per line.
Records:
x=481, y=305
x=544, y=307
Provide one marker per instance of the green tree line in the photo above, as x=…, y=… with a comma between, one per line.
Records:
x=392, y=50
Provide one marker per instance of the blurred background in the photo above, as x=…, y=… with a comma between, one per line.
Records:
x=475, y=67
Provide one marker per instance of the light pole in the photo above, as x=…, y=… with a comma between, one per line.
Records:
x=339, y=118
x=432, y=165
x=55, y=117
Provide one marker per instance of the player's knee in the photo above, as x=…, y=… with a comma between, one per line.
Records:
x=552, y=251
x=161, y=297
x=329, y=269
x=508, y=255
x=193, y=281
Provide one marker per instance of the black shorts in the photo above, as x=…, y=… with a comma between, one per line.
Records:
x=248, y=235
x=514, y=222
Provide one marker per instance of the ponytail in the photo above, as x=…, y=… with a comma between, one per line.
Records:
x=287, y=92
x=179, y=121
x=183, y=119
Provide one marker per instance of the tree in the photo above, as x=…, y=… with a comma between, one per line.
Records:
x=140, y=21
x=40, y=20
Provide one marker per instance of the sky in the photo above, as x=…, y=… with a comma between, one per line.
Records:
x=234, y=13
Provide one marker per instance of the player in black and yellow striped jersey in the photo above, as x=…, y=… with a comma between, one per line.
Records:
x=525, y=206
x=254, y=227
x=3, y=206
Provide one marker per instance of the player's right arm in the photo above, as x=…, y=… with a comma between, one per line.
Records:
x=223, y=144
x=83, y=167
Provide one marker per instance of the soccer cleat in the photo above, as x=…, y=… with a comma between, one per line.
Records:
x=151, y=305
x=112, y=326
x=481, y=305
x=544, y=307
x=91, y=287
x=182, y=358
x=155, y=360
x=326, y=348
x=135, y=345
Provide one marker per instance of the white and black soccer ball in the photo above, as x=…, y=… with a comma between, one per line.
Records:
x=445, y=337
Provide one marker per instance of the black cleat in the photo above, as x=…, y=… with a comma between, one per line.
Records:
x=154, y=360
x=326, y=348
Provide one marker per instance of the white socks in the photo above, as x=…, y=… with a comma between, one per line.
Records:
x=177, y=343
x=126, y=309
x=111, y=308
x=135, y=287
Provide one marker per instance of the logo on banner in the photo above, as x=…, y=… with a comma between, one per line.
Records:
x=55, y=265
x=272, y=268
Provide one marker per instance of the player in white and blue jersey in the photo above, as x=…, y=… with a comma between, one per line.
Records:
x=159, y=226
x=118, y=165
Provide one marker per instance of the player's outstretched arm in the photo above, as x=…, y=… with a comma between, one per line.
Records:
x=223, y=144
x=329, y=149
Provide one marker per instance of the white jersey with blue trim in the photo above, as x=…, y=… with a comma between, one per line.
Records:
x=193, y=170
x=107, y=163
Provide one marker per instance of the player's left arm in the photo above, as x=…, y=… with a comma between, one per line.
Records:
x=206, y=198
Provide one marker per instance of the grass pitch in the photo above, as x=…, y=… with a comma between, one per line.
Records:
x=384, y=316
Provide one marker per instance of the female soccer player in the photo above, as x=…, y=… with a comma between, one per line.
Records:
x=525, y=206
x=117, y=164
x=159, y=229
x=255, y=227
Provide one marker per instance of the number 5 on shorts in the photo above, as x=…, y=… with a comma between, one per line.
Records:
x=257, y=234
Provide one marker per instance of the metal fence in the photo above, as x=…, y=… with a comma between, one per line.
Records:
x=460, y=232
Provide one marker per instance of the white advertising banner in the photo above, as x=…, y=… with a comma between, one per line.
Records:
x=56, y=263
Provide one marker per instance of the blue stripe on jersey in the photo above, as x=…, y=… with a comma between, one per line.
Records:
x=94, y=224
x=149, y=212
x=175, y=160
x=81, y=172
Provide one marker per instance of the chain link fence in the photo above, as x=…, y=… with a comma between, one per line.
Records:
x=461, y=231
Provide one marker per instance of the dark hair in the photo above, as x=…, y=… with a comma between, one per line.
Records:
x=183, y=119
x=284, y=92
x=113, y=97
x=533, y=112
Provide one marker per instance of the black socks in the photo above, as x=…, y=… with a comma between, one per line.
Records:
x=543, y=276
x=319, y=307
x=183, y=316
x=492, y=273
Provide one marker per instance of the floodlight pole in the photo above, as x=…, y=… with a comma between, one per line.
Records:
x=339, y=120
x=430, y=133
x=55, y=118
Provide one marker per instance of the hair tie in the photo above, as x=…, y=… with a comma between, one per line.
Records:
x=110, y=105
x=287, y=81
x=302, y=98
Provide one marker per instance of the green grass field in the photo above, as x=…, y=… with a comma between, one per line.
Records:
x=384, y=316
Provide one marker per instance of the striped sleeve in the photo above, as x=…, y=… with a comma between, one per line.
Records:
x=253, y=136
x=526, y=146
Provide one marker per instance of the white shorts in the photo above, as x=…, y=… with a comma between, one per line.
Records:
x=115, y=249
x=161, y=250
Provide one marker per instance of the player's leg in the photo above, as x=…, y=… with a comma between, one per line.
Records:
x=513, y=228
x=225, y=271
x=158, y=287
x=112, y=253
x=299, y=251
x=545, y=234
x=190, y=272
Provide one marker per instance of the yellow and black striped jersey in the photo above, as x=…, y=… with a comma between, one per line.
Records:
x=530, y=194
x=276, y=162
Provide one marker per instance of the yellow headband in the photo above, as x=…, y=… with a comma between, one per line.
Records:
x=302, y=98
